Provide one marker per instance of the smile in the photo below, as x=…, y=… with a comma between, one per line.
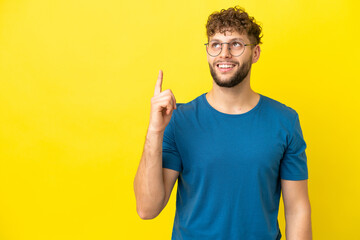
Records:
x=225, y=67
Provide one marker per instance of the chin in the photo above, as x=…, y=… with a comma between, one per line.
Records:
x=229, y=80
x=220, y=81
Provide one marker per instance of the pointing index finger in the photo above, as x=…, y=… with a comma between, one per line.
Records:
x=158, y=83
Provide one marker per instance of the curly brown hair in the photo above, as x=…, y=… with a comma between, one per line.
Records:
x=233, y=19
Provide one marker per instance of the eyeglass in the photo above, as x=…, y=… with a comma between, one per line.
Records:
x=236, y=47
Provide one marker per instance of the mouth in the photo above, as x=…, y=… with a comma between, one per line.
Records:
x=225, y=67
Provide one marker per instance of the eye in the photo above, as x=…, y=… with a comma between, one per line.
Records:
x=214, y=45
x=236, y=44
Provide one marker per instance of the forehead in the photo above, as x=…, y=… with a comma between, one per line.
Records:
x=228, y=36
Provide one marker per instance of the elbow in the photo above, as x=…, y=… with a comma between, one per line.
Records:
x=148, y=207
x=147, y=215
x=148, y=212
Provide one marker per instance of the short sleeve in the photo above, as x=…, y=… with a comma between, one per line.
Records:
x=170, y=156
x=294, y=163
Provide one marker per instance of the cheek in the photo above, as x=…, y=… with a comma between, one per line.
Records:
x=245, y=59
x=211, y=63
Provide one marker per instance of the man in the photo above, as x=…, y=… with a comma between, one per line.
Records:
x=232, y=150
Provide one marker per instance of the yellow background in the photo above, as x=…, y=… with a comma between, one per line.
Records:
x=76, y=78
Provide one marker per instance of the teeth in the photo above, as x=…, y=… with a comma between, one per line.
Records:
x=225, y=66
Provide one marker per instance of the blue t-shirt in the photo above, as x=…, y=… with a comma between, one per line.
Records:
x=230, y=166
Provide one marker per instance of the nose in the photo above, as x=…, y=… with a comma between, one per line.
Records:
x=225, y=51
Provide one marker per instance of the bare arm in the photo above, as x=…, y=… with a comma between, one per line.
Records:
x=152, y=183
x=297, y=210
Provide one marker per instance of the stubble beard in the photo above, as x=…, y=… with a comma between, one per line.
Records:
x=237, y=77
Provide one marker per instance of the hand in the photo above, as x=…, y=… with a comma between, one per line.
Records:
x=162, y=106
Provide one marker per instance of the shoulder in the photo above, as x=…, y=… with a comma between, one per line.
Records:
x=189, y=107
x=278, y=109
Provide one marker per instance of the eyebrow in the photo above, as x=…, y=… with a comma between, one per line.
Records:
x=215, y=39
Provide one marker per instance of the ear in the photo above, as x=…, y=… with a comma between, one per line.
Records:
x=256, y=53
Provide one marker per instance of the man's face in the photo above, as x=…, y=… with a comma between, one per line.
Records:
x=227, y=70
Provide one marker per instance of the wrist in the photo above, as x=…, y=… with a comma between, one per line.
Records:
x=155, y=132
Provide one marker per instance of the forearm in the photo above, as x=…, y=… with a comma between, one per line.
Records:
x=298, y=223
x=149, y=184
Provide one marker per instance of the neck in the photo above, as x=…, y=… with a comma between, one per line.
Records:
x=235, y=100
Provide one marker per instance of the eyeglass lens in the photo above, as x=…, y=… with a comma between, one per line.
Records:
x=236, y=47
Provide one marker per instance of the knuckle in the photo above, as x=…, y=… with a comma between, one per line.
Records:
x=154, y=101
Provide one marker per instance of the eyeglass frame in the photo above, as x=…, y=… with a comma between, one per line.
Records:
x=247, y=44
